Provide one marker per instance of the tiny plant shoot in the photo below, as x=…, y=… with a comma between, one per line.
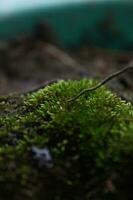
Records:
x=104, y=81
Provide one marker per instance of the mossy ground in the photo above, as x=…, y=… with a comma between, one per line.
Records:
x=90, y=140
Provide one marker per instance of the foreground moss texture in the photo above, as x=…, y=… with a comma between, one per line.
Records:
x=90, y=140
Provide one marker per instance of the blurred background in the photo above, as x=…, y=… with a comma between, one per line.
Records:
x=65, y=39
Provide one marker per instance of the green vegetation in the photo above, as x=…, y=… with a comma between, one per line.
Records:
x=90, y=140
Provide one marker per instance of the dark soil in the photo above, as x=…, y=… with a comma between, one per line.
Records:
x=26, y=63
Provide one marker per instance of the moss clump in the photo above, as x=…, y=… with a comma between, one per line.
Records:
x=90, y=140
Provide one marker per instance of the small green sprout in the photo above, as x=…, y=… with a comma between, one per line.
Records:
x=104, y=81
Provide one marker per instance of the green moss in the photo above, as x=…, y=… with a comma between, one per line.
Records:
x=90, y=140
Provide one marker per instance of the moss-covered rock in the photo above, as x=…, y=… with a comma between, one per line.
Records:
x=89, y=140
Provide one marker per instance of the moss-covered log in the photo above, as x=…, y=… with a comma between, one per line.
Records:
x=57, y=150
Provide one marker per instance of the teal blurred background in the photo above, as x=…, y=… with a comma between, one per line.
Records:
x=107, y=23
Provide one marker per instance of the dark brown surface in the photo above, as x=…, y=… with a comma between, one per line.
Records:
x=27, y=63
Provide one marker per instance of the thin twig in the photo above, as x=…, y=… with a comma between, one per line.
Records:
x=45, y=84
x=104, y=81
